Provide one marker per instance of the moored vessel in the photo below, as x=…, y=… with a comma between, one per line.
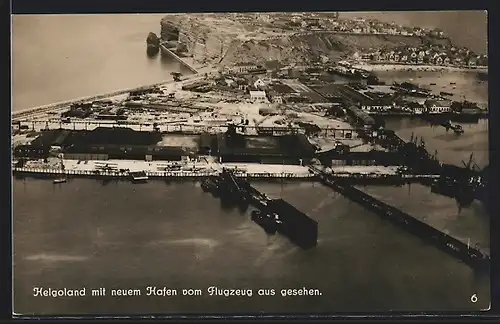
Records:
x=59, y=180
x=139, y=176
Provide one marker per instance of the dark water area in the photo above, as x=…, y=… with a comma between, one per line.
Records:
x=83, y=234
x=63, y=57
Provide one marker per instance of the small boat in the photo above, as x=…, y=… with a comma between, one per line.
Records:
x=432, y=84
x=140, y=176
x=60, y=180
x=457, y=129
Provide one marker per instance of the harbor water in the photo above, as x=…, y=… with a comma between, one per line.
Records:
x=119, y=235
x=123, y=235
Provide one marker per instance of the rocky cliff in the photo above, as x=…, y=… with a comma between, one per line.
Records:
x=207, y=40
x=169, y=31
x=203, y=41
x=301, y=49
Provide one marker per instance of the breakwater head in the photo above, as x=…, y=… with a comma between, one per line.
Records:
x=470, y=255
x=273, y=215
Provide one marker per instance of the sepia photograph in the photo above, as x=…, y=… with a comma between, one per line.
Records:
x=250, y=163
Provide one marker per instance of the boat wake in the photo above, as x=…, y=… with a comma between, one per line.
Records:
x=55, y=258
x=203, y=247
x=278, y=249
x=328, y=200
x=198, y=242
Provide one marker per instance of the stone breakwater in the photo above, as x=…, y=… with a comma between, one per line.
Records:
x=166, y=51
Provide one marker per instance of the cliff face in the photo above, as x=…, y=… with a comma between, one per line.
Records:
x=302, y=49
x=169, y=32
x=210, y=40
x=202, y=41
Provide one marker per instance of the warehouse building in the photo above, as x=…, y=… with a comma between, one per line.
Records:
x=360, y=117
x=286, y=149
x=207, y=144
x=124, y=152
x=104, y=143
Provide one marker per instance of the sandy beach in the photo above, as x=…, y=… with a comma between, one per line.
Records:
x=167, y=84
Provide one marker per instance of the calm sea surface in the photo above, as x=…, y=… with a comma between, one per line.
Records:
x=119, y=235
x=61, y=57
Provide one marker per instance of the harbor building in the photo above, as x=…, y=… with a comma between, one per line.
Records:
x=438, y=106
x=258, y=96
x=105, y=143
x=360, y=117
x=124, y=152
x=285, y=149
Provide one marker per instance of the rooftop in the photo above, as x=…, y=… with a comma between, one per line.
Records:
x=282, y=88
x=257, y=93
x=438, y=103
x=285, y=145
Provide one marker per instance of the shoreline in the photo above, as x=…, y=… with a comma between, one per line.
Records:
x=55, y=105
x=60, y=104
x=378, y=67
x=33, y=110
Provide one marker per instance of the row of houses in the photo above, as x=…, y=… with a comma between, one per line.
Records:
x=331, y=22
x=373, y=26
x=430, y=106
x=244, y=67
x=426, y=56
x=356, y=26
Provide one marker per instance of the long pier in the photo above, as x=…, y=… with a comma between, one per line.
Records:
x=383, y=179
x=353, y=178
x=98, y=173
x=175, y=56
x=469, y=255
